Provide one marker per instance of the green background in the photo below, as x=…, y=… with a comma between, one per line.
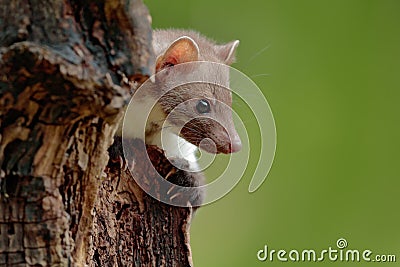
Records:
x=331, y=73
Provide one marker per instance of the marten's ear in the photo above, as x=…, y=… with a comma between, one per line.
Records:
x=227, y=52
x=183, y=49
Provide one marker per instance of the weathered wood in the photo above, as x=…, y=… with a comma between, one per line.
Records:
x=140, y=231
x=67, y=69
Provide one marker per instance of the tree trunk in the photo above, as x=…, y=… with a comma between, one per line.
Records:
x=67, y=69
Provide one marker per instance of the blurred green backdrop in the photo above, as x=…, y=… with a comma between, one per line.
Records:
x=331, y=73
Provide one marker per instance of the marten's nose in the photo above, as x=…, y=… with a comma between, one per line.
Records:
x=236, y=144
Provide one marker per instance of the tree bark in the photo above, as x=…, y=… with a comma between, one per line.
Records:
x=140, y=231
x=67, y=69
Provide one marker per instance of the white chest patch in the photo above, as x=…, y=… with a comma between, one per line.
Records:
x=160, y=133
x=177, y=147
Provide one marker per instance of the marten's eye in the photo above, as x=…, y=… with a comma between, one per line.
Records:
x=203, y=106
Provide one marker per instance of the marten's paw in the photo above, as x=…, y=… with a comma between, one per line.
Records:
x=187, y=187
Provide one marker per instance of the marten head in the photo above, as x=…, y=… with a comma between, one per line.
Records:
x=201, y=111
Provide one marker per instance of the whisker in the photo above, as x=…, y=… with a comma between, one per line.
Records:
x=265, y=48
x=259, y=75
x=233, y=82
x=197, y=131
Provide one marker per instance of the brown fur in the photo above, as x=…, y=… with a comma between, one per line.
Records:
x=187, y=95
x=209, y=49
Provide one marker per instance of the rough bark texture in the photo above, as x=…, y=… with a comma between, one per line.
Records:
x=67, y=69
x=140, y=231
